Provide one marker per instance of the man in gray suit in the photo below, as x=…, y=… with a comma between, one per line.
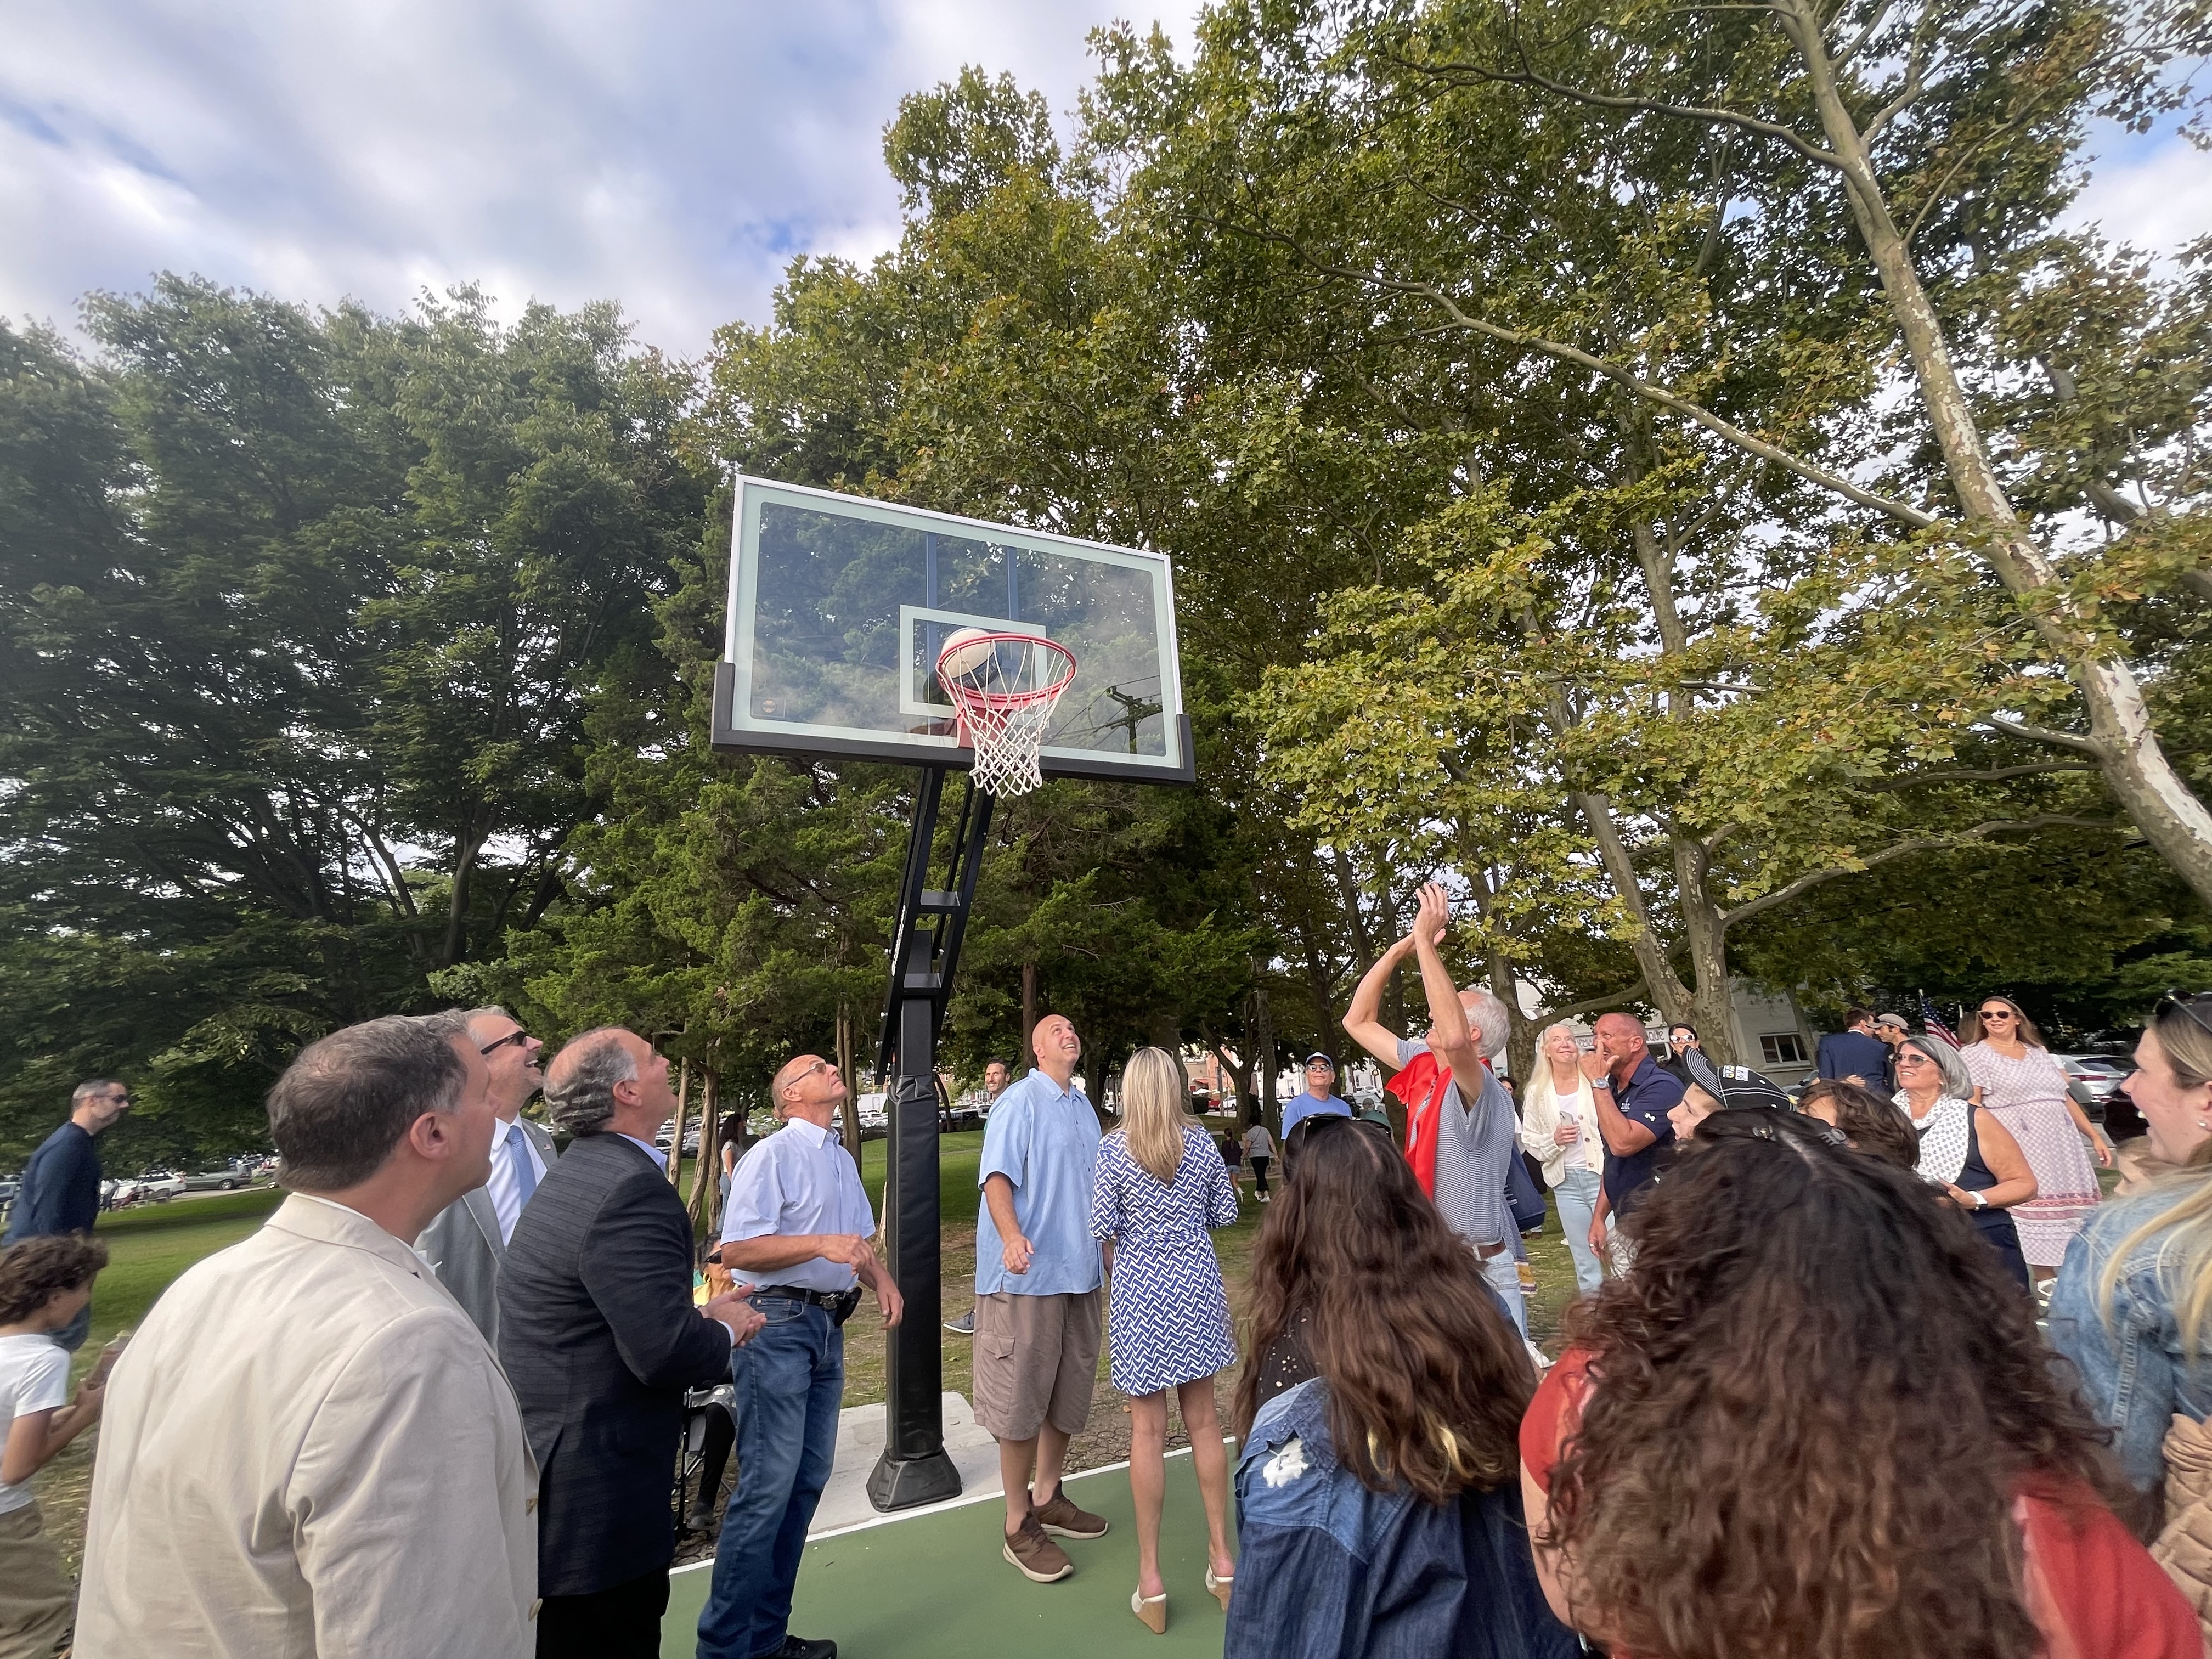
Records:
x=466, y=1245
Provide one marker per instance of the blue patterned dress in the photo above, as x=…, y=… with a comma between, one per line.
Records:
x=1167, y=1314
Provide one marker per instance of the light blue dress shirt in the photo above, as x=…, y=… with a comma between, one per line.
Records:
x=659, y=1157
x=1299, y=1107
x=799, y=1180
x=1044, y=1139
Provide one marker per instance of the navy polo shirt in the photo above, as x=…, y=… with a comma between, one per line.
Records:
x=1645, y=1098
x=61, y=1188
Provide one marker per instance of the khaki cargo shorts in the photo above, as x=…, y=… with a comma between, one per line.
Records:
x=1036, y=1361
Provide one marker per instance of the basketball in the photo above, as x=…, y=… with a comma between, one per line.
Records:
x=969, y=657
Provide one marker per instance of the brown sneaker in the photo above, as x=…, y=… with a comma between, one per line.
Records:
x=1035, y=1556
x=1063, y=1518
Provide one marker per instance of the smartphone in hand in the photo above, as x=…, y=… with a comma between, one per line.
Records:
x=97, y=1376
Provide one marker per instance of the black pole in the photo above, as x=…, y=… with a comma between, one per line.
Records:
x=913, y=1467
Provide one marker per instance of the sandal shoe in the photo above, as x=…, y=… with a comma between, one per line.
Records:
x=1152, y=1610
x=1220, y=1587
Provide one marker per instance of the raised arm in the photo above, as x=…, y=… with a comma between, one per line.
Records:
x=1362, y=1021
x=1451, y=1039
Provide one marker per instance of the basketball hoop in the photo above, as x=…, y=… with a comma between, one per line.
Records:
x=1005, y=687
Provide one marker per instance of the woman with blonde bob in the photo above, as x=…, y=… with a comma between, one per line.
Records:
x=1161, y=1186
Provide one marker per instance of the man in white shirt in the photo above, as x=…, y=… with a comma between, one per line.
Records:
x=308, y=1447
x=798, y=1226
x=466, y=1245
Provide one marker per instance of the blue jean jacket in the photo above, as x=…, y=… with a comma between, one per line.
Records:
x=1327, y=1569
x=2133, y=1370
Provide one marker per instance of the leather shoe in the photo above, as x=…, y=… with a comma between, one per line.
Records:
x=798, y=1647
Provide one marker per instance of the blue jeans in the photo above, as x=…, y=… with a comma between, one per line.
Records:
x=1503, y=1273
x=1577, y=1197
x=790, y=1380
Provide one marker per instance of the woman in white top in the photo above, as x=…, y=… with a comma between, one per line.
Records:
x=1559, y=1127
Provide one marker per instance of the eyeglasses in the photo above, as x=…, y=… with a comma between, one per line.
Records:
x=2191, y=1003
x=1914, y=1060
x=1997, y=1013
x=516, y=1037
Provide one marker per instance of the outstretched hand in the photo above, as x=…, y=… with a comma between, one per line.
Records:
x=1431, y=916
x=735, y=1311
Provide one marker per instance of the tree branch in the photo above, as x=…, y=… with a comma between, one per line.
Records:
x=1910, y=516
x=1591, y=1004
x=1905, y=849
x=1711, y=114
x=2088, y=746
x=1988, y=775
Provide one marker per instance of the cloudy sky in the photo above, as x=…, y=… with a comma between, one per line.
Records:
x=673, y=153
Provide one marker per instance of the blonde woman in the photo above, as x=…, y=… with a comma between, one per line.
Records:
x=1160, y=1186
x=1558, y=1129
x=2133, y=1307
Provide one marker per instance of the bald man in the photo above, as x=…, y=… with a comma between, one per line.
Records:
x=598, y=1331
x=799, y=1226
x=1632, y=1096
x=1037, y=1318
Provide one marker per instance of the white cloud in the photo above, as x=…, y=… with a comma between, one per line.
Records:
x=2154, y=191
x=670, y=153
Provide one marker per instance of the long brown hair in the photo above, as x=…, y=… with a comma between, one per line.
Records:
x=1427, y=1379
x=1811, y=1401
x=1971, y=1031
x=1869, y=1121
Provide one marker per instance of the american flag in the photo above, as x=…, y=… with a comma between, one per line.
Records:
x=1934, y=1022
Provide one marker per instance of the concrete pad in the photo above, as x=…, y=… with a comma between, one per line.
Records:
x=860, y=1432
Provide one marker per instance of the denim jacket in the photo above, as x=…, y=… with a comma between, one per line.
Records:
x=2133, y=1370
x=1328, y=1569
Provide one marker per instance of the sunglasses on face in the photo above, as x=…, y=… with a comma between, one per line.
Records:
x=1997, y=1013
x=516, y=1037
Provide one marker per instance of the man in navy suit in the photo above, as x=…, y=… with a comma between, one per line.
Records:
x=1855, y=1054
x=598, y=1332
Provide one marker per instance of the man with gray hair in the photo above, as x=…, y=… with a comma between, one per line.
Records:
x=1460, y=1152
x=61, y=1183
x=598, y=1331
x=467, y=1243
x=309, y=1449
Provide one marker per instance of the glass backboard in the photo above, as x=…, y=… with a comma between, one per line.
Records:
x=838, y=607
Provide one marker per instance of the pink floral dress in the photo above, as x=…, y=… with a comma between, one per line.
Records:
x=2029, y=1097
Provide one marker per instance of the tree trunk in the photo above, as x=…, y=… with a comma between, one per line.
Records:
x=2135, y=768
x=1263, y=1058
x=845, y=1069
x=1028, y=1057
x=702, y=1204
x=676, y=1147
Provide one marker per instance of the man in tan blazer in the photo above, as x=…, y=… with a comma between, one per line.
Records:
x=309, y=1449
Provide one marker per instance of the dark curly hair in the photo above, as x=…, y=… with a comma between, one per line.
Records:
x=1869, y=1121
x=1810, y=1404
x=31, y=1272
x=1427, y=1378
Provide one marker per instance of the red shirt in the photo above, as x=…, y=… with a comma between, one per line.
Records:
x=2094, y=1591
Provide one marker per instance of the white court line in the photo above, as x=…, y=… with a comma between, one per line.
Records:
x=961, y=1502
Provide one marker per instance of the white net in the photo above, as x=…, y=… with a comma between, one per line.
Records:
x=1006, y=687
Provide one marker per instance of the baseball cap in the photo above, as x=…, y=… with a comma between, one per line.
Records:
x=1317, y=1055
x=1741, y=1088
x=1897, y=1020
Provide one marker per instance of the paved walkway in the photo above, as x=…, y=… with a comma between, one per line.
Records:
x=931, y=1584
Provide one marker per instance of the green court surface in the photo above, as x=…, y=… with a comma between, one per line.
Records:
x=936, y=1585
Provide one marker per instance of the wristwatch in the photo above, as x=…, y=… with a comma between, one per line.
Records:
x=1604, y=1082
x=1981, y=1201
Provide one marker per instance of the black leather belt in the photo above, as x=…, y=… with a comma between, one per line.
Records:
x=838, y=1304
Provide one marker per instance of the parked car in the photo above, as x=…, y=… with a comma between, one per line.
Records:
x=2092, y=1080
x=228, y=1179
x=158, y=1186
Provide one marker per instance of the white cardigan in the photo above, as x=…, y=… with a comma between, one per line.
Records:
x=1540, y=1122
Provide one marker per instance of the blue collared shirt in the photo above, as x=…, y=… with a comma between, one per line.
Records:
x=1044, y=1139
x=659, y=1157
x=799, y=1180
x=1648, y=1096
x=1299, y=1107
